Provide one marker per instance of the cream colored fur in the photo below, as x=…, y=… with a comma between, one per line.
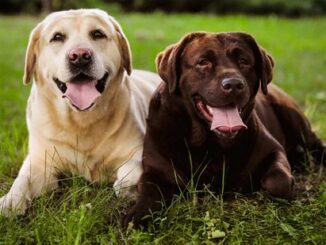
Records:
x=103, y=143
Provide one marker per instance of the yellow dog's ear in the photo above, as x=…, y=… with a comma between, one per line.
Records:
x=124, y=45
x=30, y=57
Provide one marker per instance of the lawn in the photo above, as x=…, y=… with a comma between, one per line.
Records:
x=83, y=213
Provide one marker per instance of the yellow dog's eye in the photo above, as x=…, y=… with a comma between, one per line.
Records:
x=58, y=37
x=97, y=34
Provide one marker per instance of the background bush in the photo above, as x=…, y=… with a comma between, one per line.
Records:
x=291, y=8
x=279, y=7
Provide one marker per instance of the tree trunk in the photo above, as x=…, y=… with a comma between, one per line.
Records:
x=46, y=6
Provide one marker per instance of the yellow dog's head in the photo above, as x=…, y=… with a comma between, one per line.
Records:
x=73, y=55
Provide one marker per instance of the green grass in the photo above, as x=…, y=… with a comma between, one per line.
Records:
x=82, y=213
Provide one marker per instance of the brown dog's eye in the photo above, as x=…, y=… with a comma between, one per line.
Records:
x=97, y=34
x=204, y=63
x=58, y=37
x=243, y=61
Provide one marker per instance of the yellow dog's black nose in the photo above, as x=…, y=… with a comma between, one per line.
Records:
x=80, y=56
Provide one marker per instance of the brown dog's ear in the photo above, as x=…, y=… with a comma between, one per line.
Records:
x=124, y=45
x=168, y=61
x=263, y=61
x=166, y=66
x=266, y=70
x=30, y=57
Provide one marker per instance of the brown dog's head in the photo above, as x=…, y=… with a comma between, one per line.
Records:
x=218, y=76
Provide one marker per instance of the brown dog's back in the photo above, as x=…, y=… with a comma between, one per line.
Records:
x=284, y=119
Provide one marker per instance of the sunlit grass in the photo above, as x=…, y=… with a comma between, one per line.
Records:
x=83, y=213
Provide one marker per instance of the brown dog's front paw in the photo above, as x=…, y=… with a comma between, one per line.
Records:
x=279, y=184
x=136, y=218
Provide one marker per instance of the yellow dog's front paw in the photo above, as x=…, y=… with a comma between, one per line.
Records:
x=13, y=205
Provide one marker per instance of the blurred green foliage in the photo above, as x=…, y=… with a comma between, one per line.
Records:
x=36, y=6
x=293, y=8
x=290, y=8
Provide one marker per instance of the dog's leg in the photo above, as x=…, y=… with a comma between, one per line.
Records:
x=300, y=138
x=34, y=177
x=155, y=191
x=127, y=177
x=278, y=180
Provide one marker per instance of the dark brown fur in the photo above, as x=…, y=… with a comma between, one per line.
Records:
x=179, y=144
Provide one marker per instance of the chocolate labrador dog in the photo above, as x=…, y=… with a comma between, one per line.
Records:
x=214, y=119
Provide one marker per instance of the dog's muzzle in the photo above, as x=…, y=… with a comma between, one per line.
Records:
x=82, y=90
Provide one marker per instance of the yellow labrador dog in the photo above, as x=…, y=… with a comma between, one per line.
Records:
x=86, y=111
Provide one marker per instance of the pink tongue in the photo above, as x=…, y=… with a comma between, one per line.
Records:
x=226, y=119
x=82, y=94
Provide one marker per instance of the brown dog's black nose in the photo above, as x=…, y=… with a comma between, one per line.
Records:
x=80, y=56
x=230, y=85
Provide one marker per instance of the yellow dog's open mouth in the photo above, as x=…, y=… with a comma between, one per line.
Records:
x=82, y=91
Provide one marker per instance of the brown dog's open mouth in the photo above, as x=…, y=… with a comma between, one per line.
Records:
x=82, y=90
x=225, y=121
